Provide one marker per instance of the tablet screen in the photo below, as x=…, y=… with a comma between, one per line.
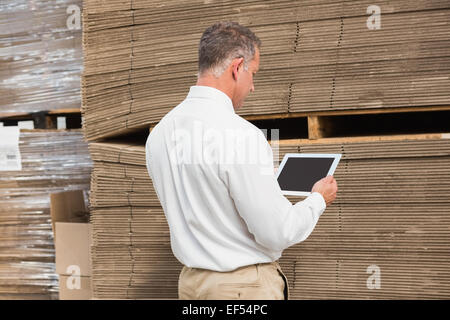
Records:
x=299, y=174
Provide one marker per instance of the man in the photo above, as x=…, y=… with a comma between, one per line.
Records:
x=213, y=174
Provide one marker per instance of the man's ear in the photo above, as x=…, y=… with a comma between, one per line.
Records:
x=236, y=65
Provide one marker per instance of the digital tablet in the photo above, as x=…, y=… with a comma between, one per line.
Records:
x=298, y=172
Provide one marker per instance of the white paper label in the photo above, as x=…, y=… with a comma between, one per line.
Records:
x=10, y=159
x=27, y=124
x=61, y=123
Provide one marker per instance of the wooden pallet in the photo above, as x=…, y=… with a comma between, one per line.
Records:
x=365, y=139
x=326, y=124
x=329, y=123
x=45, y=119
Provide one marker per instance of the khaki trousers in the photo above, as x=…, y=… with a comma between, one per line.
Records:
x=263, y=281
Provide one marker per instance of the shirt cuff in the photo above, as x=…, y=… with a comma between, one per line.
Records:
x=318, y=200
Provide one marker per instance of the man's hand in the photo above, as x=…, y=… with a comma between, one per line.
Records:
x=327, y=187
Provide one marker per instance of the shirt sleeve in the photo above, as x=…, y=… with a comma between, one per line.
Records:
x=275, y=223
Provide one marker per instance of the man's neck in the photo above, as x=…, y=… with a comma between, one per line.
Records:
x=217, y=83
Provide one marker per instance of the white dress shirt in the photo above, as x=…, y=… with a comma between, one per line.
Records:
x=213, y=173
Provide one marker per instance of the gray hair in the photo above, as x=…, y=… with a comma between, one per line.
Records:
x=221, y=43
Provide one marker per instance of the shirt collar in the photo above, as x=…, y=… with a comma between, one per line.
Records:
x=204, y=92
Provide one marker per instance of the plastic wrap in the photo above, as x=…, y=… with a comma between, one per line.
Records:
x=131, y=255
x=52, y=161
x=40, y=55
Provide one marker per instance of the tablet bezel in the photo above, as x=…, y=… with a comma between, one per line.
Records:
x=335, y=156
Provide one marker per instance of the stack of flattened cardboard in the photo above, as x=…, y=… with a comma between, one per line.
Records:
x=145, y=77
x=51, y=161
x=41, y=55
x=404, y=63
x=141, y=56
x=385, y=236
x=131, y=254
